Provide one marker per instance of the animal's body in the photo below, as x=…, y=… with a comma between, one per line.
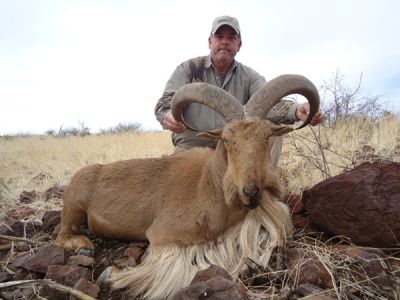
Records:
x=195, y=207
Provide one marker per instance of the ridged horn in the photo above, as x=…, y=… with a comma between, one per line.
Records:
x=226, y=105
x=265, y=98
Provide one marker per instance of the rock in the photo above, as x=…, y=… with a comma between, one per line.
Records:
x=367, y=264
x=50, y=220
x=19, y=228
x=87, y=287
x=81, y=260
x=21, y=212
x=133, y=254
x=362, y=204
x=56, y=191
x=209, y=273
x=22, y=246
x=68, y=274
x=28, y=197
x=212, y=283
x=310, y=291
x=305, y=268
x=295, y=204
x=40, y=261
x=5, y=276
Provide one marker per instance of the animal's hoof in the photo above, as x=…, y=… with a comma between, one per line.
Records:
x=105, y=275
x=86, y=252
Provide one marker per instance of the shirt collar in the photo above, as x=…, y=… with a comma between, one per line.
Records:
x=208, y=63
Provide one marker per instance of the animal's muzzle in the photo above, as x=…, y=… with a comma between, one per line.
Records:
x=254, y=196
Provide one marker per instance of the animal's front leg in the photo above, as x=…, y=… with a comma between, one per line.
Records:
x=70, y=236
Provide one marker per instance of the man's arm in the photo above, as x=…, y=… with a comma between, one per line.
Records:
x=162, y=110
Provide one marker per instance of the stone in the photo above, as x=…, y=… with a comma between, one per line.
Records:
x=212, y=283
x=87, y=287
x=50, y=220
x=305, y=268
x=67, y=274
x=28, y=197
x=362, y=204
x=56, y=191
x=20, y=213
x=40, y=261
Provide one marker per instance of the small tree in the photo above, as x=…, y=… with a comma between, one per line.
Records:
x=341, y=101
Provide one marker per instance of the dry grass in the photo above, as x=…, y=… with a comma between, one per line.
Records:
x=322, y=151
x=23, y=159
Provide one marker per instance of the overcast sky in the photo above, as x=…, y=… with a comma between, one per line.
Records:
x=107, y=62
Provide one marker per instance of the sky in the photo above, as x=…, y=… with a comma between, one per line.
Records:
x=100, y=63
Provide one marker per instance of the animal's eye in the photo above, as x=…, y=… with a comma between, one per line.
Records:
x=225, y=141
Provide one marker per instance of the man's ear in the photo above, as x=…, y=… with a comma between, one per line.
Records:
x=211, y=135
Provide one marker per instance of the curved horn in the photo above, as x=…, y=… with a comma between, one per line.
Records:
x=265, y=98
x=226, y=105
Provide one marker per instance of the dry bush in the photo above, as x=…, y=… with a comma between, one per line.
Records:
x=316, y=153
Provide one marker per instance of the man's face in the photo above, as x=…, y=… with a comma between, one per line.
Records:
x=224, y=44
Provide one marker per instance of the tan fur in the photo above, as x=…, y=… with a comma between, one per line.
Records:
x=182, y=204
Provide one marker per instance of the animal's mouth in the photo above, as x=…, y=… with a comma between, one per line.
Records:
x=254, y=201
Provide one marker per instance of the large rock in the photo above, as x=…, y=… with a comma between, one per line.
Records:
x=362, y=204
x=213, y=283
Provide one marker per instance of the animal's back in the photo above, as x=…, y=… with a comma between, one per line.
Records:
x=121, y=199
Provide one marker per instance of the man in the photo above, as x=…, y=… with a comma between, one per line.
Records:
x=221, y=69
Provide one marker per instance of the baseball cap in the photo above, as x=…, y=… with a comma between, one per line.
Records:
x=225, y=20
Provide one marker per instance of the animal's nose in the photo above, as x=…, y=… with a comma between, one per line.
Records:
x=251, y=189
x=251, y=192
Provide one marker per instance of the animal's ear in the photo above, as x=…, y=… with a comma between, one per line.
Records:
x=279, y=129
x=211, y=135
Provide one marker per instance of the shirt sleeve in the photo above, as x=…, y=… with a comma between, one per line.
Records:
x=179, y=77
x=283, y=112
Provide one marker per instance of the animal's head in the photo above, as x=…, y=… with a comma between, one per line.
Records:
x=245, y=136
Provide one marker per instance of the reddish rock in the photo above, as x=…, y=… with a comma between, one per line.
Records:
x=50, y=220
x=212, y=283
x=87, y=287
x=367, y=264
x=295, y=204
x=28, y=197
x=81, y=260
x=311, y=291
x=40, y=261
x=21, y=212
x=211, y=272
x=306, y=269
x=68, y=274
x=362, y=204
x=5, y=276
x=56, y=191
x=134, y=252
x=19, y=228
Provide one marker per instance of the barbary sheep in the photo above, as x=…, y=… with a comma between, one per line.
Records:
x=196, y=207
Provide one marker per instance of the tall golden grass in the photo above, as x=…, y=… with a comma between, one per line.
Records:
x=56, y=159
x=302, y=164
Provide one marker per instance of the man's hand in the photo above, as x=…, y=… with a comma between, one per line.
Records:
x=303, y=109
x=171, y=124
